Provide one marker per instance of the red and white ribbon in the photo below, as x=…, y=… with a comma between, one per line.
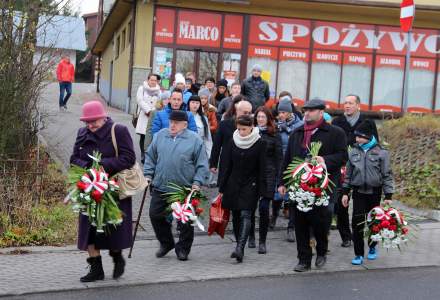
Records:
x=99, y=181
x=185, y=212
x=310, y=170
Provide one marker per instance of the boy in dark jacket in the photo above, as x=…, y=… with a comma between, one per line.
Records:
x=368, y=175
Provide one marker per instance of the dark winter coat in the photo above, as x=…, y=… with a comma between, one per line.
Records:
x=256, y=91
x=86, y=143
x=244, y=177
x=221, y=139
x=333, y=149
x=274, y=159
x=342, y=122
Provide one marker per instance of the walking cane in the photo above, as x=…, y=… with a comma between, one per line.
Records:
x=138, y=220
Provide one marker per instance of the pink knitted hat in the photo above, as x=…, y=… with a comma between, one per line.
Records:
x=93, y=110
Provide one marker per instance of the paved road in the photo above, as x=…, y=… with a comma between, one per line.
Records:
x=402, y=284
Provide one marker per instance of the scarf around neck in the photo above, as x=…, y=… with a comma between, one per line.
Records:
x=245, y=142
x=308, y=131
x=369, y=145
x=155, y=91
x=352, y=120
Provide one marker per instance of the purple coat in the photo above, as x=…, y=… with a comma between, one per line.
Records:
x=101, y=140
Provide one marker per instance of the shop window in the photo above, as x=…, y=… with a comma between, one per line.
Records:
x=267, y=58
x=162, y=65
x=208, y=62
x=293, y=70
x=421, y=82
x=231, y=67
x=388, y=83
x=326, y=77
x=356, y=77
x=185, y=61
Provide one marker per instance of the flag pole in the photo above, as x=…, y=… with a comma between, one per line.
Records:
x=407, y=70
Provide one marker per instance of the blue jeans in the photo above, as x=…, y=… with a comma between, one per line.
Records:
x=67, y=86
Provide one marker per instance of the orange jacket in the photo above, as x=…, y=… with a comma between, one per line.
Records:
x=210, y=112
x=65, y=71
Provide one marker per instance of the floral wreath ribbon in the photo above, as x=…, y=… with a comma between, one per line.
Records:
x=185, y=212
x=319, y=171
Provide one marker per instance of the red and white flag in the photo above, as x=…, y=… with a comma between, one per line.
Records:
x=407, y=12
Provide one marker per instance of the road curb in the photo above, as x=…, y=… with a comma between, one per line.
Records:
x=428, y=213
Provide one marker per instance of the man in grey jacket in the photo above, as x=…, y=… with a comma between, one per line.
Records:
x=176, y=155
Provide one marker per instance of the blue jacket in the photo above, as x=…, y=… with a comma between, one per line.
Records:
x=162, y=120
x=286, y=128
x=186, y=95
x=181, y=160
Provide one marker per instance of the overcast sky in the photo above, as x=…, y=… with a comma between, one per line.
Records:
x=84, y=6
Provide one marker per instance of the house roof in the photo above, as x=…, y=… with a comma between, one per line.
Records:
x=62, y=32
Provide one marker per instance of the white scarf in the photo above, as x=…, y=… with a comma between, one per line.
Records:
x=245, y=142
x=151, y=91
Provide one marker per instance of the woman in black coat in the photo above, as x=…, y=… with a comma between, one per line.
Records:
x=274, y=157
x=244, y=179
x=96, y=136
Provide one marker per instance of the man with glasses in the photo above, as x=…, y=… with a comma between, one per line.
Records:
x=333, y=154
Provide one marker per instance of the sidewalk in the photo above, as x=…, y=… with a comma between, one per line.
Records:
x=59, y=268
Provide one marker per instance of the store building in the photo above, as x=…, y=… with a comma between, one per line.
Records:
x=324, y=49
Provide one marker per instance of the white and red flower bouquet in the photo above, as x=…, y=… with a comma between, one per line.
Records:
x=387, y=226
x=94, y=194
x=184, y=205
x=307, y=181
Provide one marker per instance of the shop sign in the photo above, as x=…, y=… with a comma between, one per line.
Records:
x=294, y=54
x=199, y=29
x=262, y=51
x=341, y=36
x=164, y=25
x=358, y=59
x=233, y=32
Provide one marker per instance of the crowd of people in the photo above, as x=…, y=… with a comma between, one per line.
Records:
x=232, y=137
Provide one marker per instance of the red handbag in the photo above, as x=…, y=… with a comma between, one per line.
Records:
x=218, y=218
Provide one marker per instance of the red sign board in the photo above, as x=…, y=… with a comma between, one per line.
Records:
x=262, y=51
x=390, y=61
x=358, y=59
x=199, y=29
x=326, y=56
x=294, y=54
x=233, y=32
x=164, y=27
x=423, y=64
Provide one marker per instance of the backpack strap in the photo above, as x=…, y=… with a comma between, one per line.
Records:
x=115, y=144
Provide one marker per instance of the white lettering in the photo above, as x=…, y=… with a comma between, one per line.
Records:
x=291, y=31
x=399, y=40
x=266, y=52
x=372, y=38
x=184, y=27
x=204, y=33
x=294, y=54
x=326, y=56
x=352, y=34
x=357, y=59
x=269, y=33
x=431, y=43
x=390, y=61
x=421, y=64
x=325, y=35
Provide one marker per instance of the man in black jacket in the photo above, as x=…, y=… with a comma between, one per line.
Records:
x=349, y=121
x=333, y=154
x=255, y=88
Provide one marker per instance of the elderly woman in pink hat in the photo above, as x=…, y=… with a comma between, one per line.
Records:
x=96, y=136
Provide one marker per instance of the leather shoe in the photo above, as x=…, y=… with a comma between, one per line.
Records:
x=182, y=255
x=262, y=248
x=302, y=267
x=346, y=244
x=163, y=250
x=320, y=261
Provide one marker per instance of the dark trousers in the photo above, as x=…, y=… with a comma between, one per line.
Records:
x=162, y=225
x=362, y=204
x=292, y=208
x=342, y=221
x=65, y=86
x=263, y=209
x=241, y=225
x=142, y=146
x=317, y=221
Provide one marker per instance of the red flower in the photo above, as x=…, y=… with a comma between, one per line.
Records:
x=81, y=185
x=317, y=192
x=199, y=210
x=195, y=202
x=393, y=222
x=384, y=224
x=404, y=230
x=97, y=196
x=313, y=180
x=393, y=227
x=304, y=186
x=375, y=229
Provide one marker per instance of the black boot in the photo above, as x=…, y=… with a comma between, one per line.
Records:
x=96, y=271
x=119, y=262
x=245, y=228
x=251, y=241
x=262, y=248
x=264, y=227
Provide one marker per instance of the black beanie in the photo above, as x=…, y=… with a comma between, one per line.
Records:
x=222, y=82
x=178, y=115
x=365, y=129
